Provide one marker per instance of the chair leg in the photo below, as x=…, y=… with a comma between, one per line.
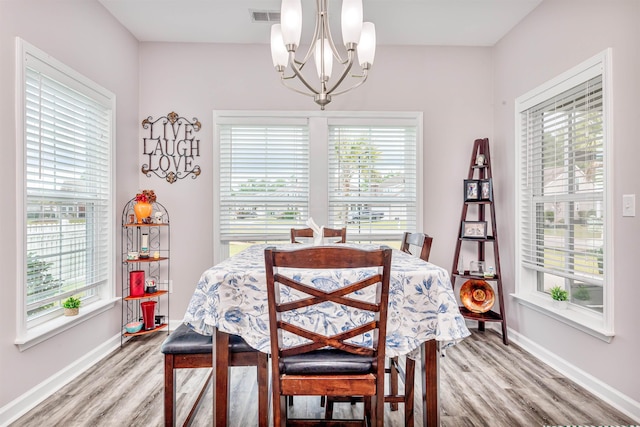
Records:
x=263, y=390
x=328, y=407
x=169, y=391
x=393, y=380
x=379, y=410
x=280, y=410
x=368, y=413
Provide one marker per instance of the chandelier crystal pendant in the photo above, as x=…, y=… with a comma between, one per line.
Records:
x=356, y=35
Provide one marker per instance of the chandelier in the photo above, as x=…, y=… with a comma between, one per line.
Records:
x=356, y=35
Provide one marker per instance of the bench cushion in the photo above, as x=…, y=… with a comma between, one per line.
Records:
x=185, y=340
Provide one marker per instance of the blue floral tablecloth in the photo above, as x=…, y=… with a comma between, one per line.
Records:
x=232, y=297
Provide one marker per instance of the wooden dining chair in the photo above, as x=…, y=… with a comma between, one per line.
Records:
x=328, y=365
x=417, y=244
x=327, y=232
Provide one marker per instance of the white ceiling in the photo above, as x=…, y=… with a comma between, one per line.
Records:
x=398, y=22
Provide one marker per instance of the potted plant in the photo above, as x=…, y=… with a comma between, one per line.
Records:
x=71, y=306
x=559, y=296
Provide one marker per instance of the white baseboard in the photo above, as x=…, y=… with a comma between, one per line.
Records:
x=32, y=398
x=603, y=391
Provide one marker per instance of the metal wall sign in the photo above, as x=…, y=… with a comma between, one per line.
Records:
x=171, y=147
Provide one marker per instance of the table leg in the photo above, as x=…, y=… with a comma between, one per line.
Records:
x=220, y=378
x=214, y=374
x=430, y=384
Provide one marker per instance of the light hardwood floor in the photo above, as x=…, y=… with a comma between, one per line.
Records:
x=483, y=383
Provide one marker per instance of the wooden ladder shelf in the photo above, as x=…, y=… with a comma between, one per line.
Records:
x=479, y=230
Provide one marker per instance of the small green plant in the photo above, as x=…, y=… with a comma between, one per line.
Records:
x=72, y=302
x=559, y=294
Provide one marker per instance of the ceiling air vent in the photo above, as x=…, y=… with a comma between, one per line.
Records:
x=265, y=15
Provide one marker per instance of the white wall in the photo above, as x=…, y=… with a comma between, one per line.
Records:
x=84, y=36
x=450, y=85
x=555, y=37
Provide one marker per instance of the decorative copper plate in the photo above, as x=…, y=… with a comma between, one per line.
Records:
x=477, y=296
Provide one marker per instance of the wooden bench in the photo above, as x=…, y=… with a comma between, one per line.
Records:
x=185, y=348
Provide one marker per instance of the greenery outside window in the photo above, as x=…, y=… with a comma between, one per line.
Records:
x=373, y=177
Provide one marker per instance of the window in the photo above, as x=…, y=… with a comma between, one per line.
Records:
x=354, y=170
x=67, y=147
x=372, y=178
x=264, y=179
x=563, y=213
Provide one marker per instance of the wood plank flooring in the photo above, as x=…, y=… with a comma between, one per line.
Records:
x=483, y=383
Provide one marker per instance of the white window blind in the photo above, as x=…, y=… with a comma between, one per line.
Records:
x=68, y=145
x=264, y=179
x=563, y=181
x=372, y=179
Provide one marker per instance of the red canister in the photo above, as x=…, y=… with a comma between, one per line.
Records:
x=148, y=314
x=136, y=283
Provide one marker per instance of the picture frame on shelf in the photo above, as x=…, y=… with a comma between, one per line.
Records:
x=486, y=190
x=474, y=229
x=471, y=190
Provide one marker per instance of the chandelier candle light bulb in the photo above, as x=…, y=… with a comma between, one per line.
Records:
x=367, y=45
x=324, y=60
x=279, y=54
x=351, y=21
x=357, y=37
x=291, y=19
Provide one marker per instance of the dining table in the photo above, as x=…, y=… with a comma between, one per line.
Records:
x=423, y=315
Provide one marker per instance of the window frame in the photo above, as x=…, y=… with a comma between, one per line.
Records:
x=319, y=123
x=30, y=333
x=599, y=325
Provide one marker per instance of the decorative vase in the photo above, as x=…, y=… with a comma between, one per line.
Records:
x=71, y=311
x=148, y=314
x=142, y=210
